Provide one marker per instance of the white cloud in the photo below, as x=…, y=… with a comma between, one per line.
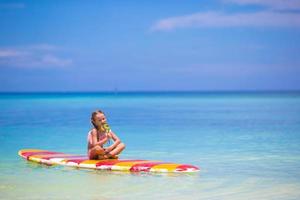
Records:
x=217, y=19
x=274, y=4
x=33, y=56
x=6, y=53
x=53, y=60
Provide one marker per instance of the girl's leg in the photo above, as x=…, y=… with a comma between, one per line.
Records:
x=96, y=152
x=116, y=150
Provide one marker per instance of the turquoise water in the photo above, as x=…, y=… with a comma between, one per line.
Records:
x=246, y=144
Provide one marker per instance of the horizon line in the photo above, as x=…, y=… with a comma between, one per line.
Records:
x=153, y=91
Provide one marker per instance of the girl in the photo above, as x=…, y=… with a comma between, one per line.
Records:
x=102, y=142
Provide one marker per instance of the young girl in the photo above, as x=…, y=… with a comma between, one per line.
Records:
x=102, y=142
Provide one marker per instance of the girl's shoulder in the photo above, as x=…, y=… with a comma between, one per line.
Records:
x=93, y=131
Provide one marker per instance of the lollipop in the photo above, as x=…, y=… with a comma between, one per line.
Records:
x=106, y=127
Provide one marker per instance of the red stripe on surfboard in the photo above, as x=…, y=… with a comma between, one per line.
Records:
x=113, y=162
x=101, y=162
x=181, y=168
x=27, y=154
x=144, y=167
x=78, y=161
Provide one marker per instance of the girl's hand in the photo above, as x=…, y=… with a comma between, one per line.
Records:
x=108, y=134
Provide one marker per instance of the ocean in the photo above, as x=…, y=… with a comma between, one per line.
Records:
x=247, y=144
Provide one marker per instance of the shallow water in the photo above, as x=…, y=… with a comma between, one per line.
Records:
x=246, y=144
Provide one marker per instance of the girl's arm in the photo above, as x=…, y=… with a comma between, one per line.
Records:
x=94, y=139
x=116, y=140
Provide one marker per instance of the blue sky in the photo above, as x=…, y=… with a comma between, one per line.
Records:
x=153, y=45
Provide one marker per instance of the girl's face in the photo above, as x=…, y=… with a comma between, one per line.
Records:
x=100, y=118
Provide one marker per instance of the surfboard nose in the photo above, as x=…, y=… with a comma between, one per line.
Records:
x=187, y=168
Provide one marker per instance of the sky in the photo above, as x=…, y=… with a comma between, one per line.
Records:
x=170, y=45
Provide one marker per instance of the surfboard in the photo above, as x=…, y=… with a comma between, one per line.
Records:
x=82, y=161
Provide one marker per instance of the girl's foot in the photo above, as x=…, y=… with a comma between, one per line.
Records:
x=110, y=156
x=114, y=157
x=101, y=157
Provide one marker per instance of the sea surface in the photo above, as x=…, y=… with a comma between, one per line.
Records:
x=247, y=144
